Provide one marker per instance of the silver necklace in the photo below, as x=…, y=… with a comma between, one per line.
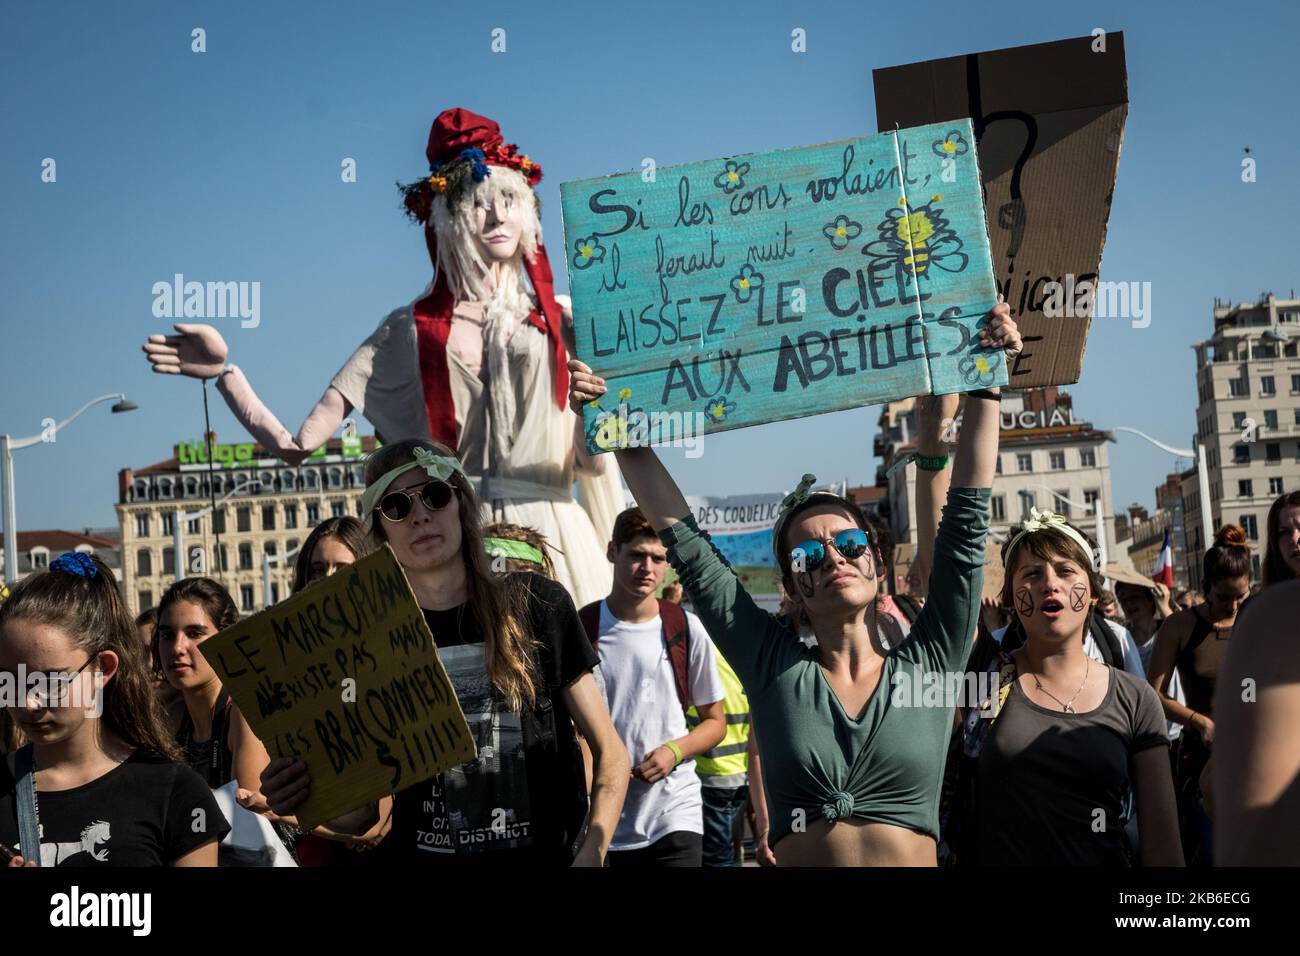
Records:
x=1066, y=705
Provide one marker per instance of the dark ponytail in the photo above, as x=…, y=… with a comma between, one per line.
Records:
x=91, y=612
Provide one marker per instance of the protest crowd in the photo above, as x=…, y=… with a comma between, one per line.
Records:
x=614, y=717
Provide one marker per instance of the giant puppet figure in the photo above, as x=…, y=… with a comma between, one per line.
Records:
x=478, y=362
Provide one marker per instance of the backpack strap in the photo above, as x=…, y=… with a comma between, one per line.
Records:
x=676, y=632
x=1107, y=641
x=29, y=827
x=590, y=618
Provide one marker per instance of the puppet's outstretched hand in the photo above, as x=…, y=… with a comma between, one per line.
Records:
x=198, y=351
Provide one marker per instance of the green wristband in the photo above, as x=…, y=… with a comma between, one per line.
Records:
x=932, y=462
x=676, y=750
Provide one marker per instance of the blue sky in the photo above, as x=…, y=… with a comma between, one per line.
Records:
x=225, y=166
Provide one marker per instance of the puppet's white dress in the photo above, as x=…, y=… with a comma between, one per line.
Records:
x=516, y=444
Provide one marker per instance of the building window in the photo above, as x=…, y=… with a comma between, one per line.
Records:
x=358, y=507
x=1238, y=421
x=221, y=558
x=1275, y=486
x=142, y=525
x=1061, y=504
x=143, y=563
x=1245, y=488
x=1241, y=454
x=1295, y=384
x=1238, y=387
x=1024, y=462
x=165, y=488
x=1091, y=497
x=269, y=549
x=313, y=514
x=268, y=517
x=146, y=601
x=1273, y=452
x=291, y=546
x=338, y=508
x=1252, y=530
x=194, y=526
x=1026, y=502
x=1266, y=385
x=1088, y=458
x=335, y=478
x=169, y=561
x=245, y=557
x=999, y=506
x=246, y=597
x=998, y=466
x=1270, y=418
x=1297, y=416
x=1056, y=460
x=168, y=523
x=243, y=519
x=40, y=559
x=275, y=593
x=291, y=516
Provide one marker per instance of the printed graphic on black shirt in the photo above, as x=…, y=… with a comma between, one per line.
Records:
x=481, y=805
x=94, y=839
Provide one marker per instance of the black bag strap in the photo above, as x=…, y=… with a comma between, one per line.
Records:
x=29, y=827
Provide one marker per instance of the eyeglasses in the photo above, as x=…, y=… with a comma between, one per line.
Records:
x=45, y=686
x=852, y=543
x=396, y=505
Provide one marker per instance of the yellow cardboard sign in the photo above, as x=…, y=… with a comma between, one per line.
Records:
x=345, y=676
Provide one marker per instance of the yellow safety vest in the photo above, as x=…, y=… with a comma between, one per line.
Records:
x=727, y=764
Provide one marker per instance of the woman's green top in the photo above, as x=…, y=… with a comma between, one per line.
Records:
x=818, y=761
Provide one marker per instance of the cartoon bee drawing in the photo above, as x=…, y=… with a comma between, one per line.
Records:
x=917, y=238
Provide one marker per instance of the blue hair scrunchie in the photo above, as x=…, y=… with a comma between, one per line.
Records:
x=76, y=563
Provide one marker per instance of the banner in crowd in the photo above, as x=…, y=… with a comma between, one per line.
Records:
x=344, y=675
x=1049, y=122
x=768, y=286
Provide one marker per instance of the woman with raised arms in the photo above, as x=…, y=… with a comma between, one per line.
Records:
x=851, y=768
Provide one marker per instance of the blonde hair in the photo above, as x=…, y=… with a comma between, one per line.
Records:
x=458, y=255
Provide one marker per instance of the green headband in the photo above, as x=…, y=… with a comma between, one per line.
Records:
x=509, y=548
x=435, y=466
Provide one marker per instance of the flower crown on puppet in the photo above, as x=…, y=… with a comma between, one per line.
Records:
x=456, y=177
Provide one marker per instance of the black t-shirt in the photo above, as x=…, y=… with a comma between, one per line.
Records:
x=525, y=796
x=141, y=813
x=1052, y=785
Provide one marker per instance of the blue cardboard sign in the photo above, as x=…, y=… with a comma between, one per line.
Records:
x=755, y=288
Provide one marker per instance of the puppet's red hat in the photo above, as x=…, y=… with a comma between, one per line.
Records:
x=462, y=138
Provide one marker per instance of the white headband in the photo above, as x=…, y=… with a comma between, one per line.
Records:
x=1044, y=520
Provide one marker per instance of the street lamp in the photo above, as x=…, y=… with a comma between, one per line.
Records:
x=1202, y=474
x=8, y=445
x=180, y=516
x=1099, y=527
x=267, y=561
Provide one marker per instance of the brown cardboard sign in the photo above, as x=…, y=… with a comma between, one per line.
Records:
x=1049, y=124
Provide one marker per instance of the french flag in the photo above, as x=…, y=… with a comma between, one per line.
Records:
x=1164, y=571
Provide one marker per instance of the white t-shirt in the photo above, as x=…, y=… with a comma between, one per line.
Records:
x=642, y=697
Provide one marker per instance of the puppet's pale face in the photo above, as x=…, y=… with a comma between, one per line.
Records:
x=498, y=223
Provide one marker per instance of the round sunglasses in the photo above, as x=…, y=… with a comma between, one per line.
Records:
x=435, y=494
x=810, y=555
